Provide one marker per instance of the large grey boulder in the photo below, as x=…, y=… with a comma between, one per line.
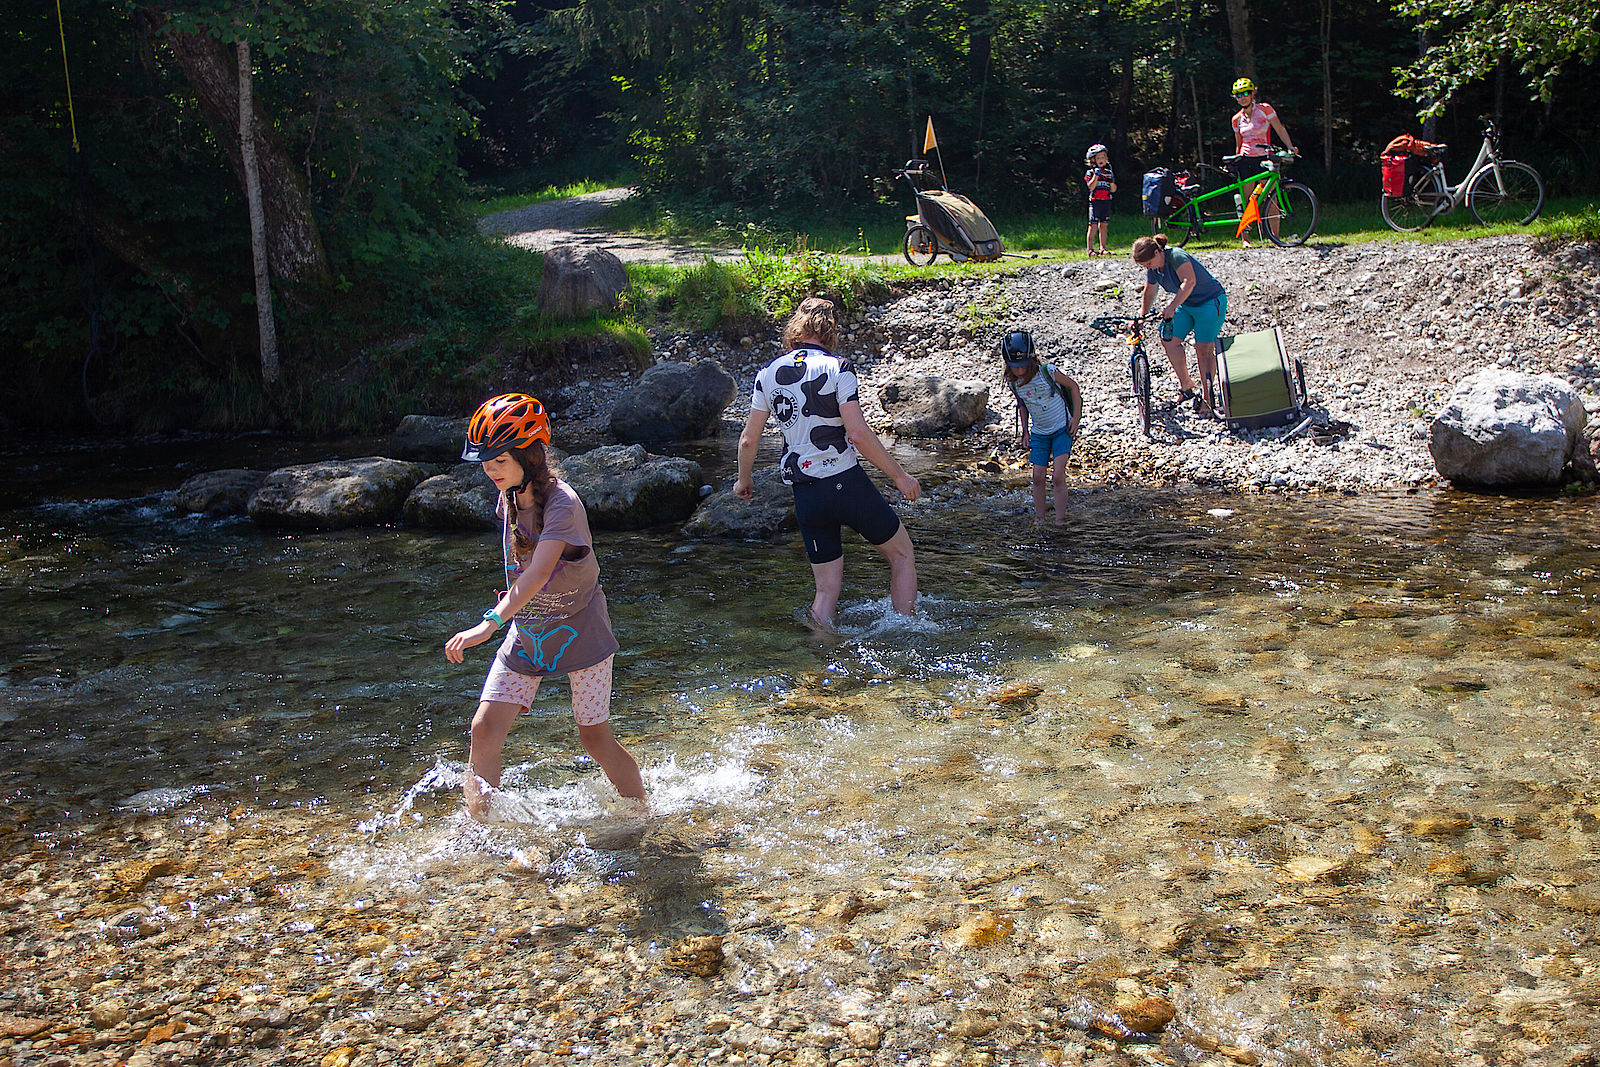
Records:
x=429, y=438
x=219, y=493
x=580, y=281
x=336, y=493
x=927, y=406
x=1586, y=457
x=461, y=499
x=769, y=513
x=673, y=402
x=623, y=487
x=1506, y=429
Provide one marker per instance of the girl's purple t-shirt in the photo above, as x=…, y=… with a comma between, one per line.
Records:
x=565, y=627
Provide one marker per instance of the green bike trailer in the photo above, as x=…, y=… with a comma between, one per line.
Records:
x=1259, y=386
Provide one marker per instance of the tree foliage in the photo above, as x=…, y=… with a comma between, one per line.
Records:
x=1471, y=38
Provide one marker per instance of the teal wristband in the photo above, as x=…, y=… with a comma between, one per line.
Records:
x=493, y=616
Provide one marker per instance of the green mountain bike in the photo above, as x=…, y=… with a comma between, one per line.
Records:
x=1288, y=209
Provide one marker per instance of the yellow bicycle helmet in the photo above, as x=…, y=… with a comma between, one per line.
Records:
x=1242, y=86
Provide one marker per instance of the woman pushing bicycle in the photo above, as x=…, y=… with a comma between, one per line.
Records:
x=1253, y=126
x=1198, y=306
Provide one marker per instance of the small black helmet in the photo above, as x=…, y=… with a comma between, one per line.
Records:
x=1017, y=347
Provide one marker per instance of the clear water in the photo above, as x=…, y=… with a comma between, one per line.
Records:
x=1330, y=761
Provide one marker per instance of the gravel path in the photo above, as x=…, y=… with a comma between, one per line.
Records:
x=558, y=222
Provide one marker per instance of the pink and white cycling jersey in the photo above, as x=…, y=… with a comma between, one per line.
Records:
x=1255, y=130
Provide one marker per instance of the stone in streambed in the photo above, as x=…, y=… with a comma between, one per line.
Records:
x=335, y=494
x=623, y=487
x=1149, y=1015
x=219, y=493
x=460, y=499
x=701, y=956
x=769, y=513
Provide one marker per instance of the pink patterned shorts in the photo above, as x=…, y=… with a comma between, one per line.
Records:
x=591, y=690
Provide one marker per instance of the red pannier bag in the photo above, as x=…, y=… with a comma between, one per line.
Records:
x=1394, y=175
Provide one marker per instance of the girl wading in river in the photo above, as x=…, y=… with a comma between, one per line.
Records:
x=813, y=395
x=553, y=600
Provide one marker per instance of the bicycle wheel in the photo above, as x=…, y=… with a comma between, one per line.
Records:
x=1183, y=224
x=1139, y=371
x=921, y=246
x=1516, y=195
x=1297, y=215
x=1424, y=201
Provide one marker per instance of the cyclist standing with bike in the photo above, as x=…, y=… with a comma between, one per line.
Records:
x=1198, y=306
x=1253, y=126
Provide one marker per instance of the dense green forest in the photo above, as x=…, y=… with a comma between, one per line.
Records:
x=125, y=248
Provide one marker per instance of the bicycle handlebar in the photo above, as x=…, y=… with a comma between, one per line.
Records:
x=1277, y=156
x=1114, y=325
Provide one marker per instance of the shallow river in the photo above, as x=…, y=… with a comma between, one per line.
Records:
x=1320, y=773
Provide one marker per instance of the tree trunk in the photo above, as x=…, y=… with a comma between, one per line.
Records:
x=1119, y=146
x=294, y=246
x=1431, y=123
x=980, y=51
x=1199, y=134
x=1244, y=53
x=1169, y=143
x=258, y=225
x=1325, y=32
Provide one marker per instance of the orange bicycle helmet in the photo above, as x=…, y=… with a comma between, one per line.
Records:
x=512, y=420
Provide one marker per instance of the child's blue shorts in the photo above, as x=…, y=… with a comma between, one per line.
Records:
x=1204, y=321
x=1044, y=447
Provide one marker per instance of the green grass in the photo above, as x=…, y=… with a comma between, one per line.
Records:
x=746, y=294
x=509, y=201
x=880, y=229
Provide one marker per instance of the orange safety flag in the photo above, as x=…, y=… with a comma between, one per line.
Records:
x=1252, y=213
x=930, y=141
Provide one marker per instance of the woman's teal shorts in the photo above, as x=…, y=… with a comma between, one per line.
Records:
x=1204, y=321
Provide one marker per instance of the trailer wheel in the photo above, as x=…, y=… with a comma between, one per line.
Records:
x=922, y=247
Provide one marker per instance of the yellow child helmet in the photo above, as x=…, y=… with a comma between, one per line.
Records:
x=1242, y=86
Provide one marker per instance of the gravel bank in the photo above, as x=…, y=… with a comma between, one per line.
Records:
x=1384, y=330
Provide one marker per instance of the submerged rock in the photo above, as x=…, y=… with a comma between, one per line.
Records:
x=219, y=493
x=701, y=956
x=1148, y=1015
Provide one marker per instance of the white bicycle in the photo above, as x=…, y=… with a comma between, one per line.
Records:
x=1495, y=190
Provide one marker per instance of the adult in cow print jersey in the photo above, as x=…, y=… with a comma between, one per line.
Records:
x=813, y=395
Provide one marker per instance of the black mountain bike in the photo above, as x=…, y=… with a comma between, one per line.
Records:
x=1132, y=328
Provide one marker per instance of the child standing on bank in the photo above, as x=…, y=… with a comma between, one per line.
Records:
x=1050, y=401
x=553, y=600
x=1102, y=183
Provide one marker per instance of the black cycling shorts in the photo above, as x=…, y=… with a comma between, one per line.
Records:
x=848, y=498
